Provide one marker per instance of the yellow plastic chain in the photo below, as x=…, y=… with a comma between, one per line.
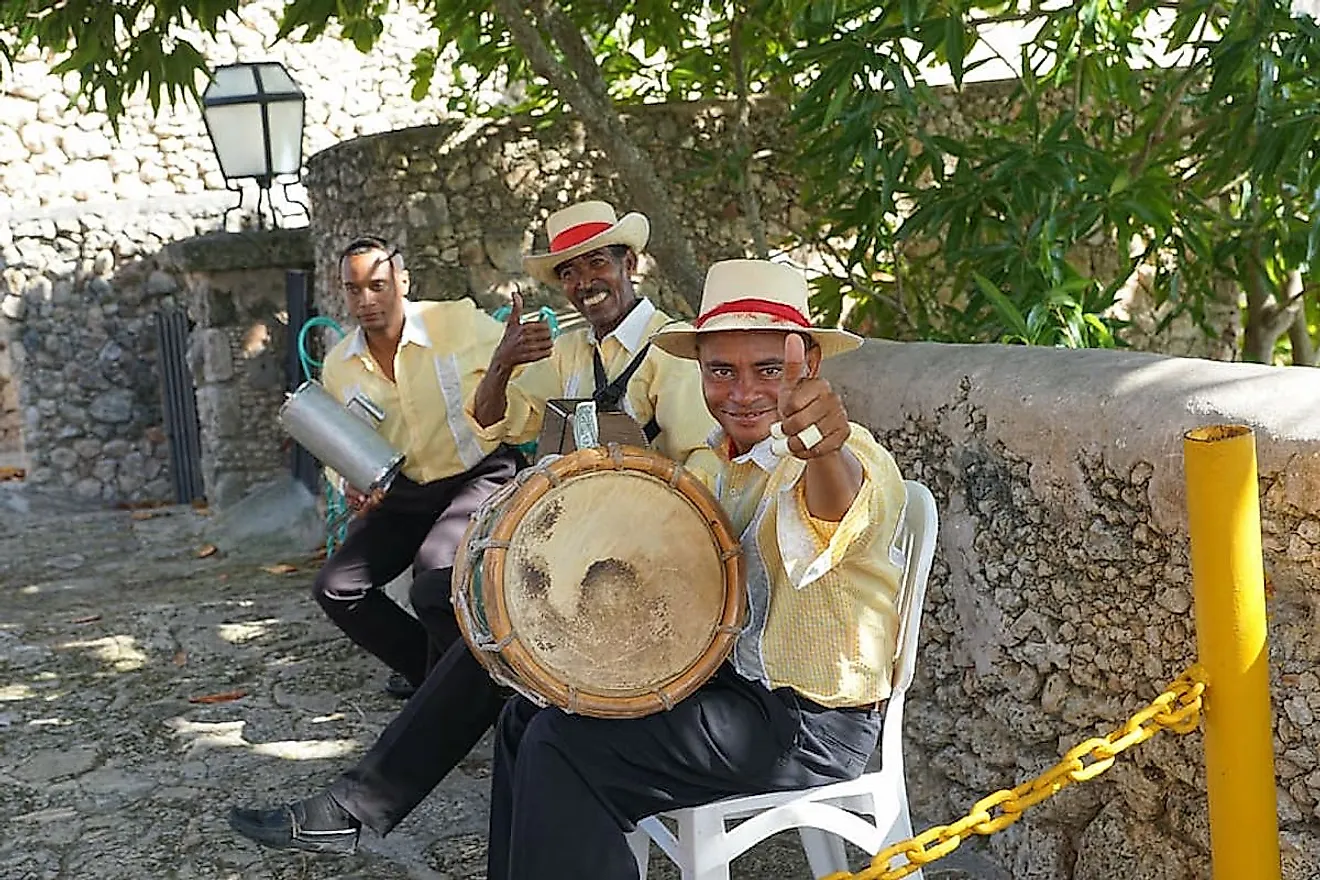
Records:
x=1177, y=709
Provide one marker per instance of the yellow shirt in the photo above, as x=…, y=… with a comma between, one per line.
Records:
x=822, y=596
x=664, y=387
x=442, y=355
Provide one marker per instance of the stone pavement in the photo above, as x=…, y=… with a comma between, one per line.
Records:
x=114, y=633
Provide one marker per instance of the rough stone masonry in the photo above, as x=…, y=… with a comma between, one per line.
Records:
x=1061, y=598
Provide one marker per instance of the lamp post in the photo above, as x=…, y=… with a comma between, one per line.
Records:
x=254, y=116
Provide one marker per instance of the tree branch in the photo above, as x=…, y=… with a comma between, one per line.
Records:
x=751, y=203
x=1303, y=346
x=581, y=86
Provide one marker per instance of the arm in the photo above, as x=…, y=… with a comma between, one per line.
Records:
x=492, y=398
x=832, y=482
x=811, y=545
x=521, y=344
x=808, y=405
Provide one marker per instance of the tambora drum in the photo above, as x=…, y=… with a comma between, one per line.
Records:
x=607, y=582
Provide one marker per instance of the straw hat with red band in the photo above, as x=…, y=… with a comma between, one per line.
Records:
x=582, y=228
x=752, y=295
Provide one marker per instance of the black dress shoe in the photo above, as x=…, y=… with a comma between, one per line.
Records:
x=399, y=686
x=316, y=825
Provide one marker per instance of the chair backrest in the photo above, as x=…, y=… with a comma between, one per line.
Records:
x=916, y=537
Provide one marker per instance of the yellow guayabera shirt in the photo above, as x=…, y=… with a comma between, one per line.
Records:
x=664, y=387
x=823, y=596
x=442, y=355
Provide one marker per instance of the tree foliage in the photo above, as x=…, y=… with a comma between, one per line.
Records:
x=1210, y=166
x=1202, y=174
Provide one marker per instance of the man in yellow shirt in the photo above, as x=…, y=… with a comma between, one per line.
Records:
x=416, y=362
x=818, y=502
x=592, y=257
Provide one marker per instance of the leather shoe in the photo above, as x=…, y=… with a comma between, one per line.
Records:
x=399, y=686
x=316, y=825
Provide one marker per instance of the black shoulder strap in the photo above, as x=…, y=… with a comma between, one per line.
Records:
x=608, y=395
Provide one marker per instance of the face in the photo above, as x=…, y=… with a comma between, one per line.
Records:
x=599, y=285
x=741, y=374
x=374, y=290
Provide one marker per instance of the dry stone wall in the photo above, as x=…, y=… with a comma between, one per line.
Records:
x=84, y=213
x=1061, y=596
x=466, y=200
x=235, y=294
x=83, y=295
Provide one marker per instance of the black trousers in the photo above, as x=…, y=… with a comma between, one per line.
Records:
x=418, y=525
x=437, y=727
x=566, y=789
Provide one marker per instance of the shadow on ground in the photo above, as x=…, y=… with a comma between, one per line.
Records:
x=145, y=688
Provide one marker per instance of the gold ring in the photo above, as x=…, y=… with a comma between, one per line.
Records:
x=810, y=436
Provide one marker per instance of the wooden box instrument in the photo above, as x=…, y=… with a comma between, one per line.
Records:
x=567, y=427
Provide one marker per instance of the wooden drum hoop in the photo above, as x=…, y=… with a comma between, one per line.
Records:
x=503, y=651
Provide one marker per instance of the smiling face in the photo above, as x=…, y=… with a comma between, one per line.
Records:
x=375, y=286
x=599, y=285
x=741, y=374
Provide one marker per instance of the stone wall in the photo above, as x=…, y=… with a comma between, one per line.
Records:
x=234, y=287
x=84, y=212
x=11, y=414
x=82, y=294
x=465, y=201
x=1061, y=596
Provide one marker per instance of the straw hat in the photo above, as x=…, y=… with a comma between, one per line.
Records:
x=581, y=228
x=752, y=295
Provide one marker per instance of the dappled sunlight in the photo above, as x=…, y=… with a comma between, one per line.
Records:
x=307, y=749
x=50, y=722
x=13, y=692
x=238, y=633
x=121, y=652
x=256, y=340
x=203, y=735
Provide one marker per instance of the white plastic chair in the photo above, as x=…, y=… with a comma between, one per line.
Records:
x=702, y=844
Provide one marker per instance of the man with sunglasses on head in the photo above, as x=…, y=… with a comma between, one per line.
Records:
x=417, y=362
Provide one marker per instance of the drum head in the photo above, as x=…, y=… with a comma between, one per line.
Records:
x=615, y=584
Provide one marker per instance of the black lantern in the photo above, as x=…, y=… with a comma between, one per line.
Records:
x=254, y=115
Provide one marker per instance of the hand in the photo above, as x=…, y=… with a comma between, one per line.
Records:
x=804, y=402
x=522, y=343
x=361, y=503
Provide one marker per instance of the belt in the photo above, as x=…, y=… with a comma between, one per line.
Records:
x=867, y=708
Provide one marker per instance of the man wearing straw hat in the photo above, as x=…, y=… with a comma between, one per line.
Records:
x=818, y=502
x=592, y=256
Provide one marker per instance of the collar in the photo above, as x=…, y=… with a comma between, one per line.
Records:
x=760, y=455
x=414, y=331
x=631, y=332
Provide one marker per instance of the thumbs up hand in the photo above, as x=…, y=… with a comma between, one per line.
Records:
x=522, y=343
x=811, y=415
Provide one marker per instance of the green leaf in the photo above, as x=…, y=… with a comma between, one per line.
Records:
x=1003, y=306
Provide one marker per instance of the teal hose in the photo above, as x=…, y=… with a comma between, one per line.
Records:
x=336, y=505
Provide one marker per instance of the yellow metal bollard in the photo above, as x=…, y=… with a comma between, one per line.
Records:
x=1223, y=508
